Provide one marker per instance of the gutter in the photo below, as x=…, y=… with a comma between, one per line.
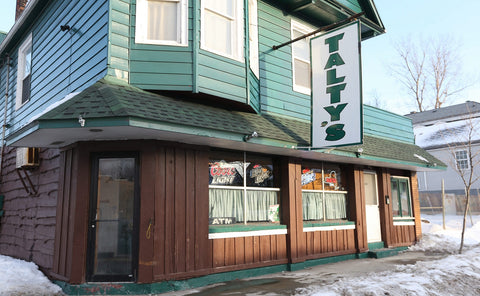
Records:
x=18, y=24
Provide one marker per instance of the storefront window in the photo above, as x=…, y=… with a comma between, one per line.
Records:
x=401, y=201
x=323, y=193
x=242, y=189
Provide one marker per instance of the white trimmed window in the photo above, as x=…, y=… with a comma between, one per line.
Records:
x=24, y=72
x=461, y=157
x=253, y=36
x=222, y=27
x=301, y=58
x=401, y=198
x=162, y=22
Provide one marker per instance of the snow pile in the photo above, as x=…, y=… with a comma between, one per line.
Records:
x=23, y=278
x=457, y=274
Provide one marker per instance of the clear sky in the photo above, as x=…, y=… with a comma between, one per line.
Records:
x=402, y=19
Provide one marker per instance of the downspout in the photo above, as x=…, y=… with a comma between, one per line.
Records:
x=4, y=126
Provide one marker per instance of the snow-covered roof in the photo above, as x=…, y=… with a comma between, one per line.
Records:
x=445, y=133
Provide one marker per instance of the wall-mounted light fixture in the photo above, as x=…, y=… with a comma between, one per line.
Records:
x=81, y=121
x=65, y=28
x=252, y=135
x=359, y=152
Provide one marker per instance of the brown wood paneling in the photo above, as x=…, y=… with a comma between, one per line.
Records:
x=169, y=210
x=159, y=232
x=240, y=250
x=249, y=256
x=180, y=214
x=416, y=205
x=147, y=217
x=229, y=251
x=359, y=204
x=190, y=210
x=203, y=246
x=218, y=252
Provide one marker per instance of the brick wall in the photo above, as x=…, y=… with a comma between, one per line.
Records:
x=27, y=229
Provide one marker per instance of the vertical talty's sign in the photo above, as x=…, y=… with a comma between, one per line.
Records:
x=337, y=118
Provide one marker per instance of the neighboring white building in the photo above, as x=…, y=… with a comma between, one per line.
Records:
x=441, y=132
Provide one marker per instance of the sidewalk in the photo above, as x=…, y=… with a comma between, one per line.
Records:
x=290, y=283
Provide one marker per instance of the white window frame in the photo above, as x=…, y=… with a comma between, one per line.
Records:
x=465, y=161
x=26, y=45
x=141, y=24
x=410, y=203
x=237, y=33
x=304, y=29
x=253, y=36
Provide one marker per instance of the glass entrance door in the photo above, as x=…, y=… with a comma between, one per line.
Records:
x=112, y=226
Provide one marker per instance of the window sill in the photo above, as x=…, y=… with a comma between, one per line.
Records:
x=241, y=230
x=327, y=226
x=403, y=221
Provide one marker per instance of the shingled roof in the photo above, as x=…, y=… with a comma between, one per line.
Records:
x=109, y=100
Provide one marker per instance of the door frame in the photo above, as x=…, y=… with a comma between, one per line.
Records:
x=372, y=172
x=91, y=235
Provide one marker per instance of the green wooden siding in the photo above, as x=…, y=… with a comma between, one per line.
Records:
x=118, y=51
x=63, y=62
x=351, y=4
x=254, y=91
x=388, y=125
x=169, y=67
x=276, y=91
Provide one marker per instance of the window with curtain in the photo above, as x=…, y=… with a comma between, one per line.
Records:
x=222, y=27
x=301, y=58
x=401, y=199
x=323, y=193
x=162, y=22
x=242, y=190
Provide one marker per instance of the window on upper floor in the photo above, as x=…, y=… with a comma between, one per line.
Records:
x=162, y=22
x=253, y=36
x=461, y=158
x=222, y=27
x=301, y=58
x=24, y=72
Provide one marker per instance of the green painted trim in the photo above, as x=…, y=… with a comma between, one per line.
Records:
x=243, y=227
x=195, y=44
x=320, y=224
x=376, y=245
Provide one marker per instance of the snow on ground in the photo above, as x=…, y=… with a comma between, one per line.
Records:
x=20, y=278
x=454, y=274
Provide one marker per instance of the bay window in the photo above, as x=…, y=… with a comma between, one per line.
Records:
x=163, y=22
x=301, y=58
x=222, y=27
x=323, y=193
x=242, y=189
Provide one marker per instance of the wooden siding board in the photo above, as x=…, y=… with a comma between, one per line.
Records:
x=180, y=213
x=147, y=215
x=160, y=212
x=203, y=246
x=169, y=211
x=249, y=257
x=190, y=210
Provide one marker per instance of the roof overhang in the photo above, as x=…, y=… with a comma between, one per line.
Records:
x=326, y=12
x=61, y=133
